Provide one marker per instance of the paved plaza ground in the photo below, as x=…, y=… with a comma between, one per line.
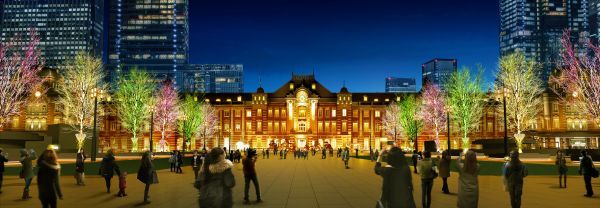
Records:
x=301, y=183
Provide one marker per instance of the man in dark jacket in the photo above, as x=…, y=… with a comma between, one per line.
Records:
x=586, y=167
x=324, y=153
x=250, y=175
x=196, y=163
x=3, y=159
x=415, y=160
x=108, y=167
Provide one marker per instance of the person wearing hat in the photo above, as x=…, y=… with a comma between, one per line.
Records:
x=250, y=175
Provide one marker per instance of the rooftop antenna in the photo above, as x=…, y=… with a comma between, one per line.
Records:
x=259, y=81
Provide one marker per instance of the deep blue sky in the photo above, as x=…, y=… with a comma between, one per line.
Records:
x=361, y=42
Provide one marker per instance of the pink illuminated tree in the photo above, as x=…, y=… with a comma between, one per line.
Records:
x=434, y=110
x=166, y=110
x=579, y=80
x=209, y=124
x=20, y=64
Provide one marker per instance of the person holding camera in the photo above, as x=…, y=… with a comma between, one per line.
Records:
x=250, y=175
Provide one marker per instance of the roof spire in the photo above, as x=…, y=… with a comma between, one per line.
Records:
x=259, y=81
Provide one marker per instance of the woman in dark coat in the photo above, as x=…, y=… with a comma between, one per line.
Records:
x=179, y=162
x=397, y=185
x=26, y=170
x=216, y=181
x=79, y=168
x=48, y=179
x=444, y=169
x=147, y=174
x=514, y=173
x=561, y=163
x=108, y=167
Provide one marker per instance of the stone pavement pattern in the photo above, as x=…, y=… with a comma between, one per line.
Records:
x=300, y=183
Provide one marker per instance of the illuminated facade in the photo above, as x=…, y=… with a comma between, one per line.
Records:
x=149, y=35
x=65, y=27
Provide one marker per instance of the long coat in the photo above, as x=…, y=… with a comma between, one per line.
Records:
x=108, y=166
x=397, y=186
x=27, y=166
x=215, y=186
x=444, y=168
x=48, y=180
x=147, y=173
x=468, y=188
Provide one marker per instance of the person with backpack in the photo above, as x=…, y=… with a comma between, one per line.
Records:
x=587, y=169
x=561, y=163
x=515, y=171
x=428, y=173
x=397, y=187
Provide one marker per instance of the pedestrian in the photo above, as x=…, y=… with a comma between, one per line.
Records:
x=323, y=153
x=330, y=152
x=285, y=152
x=339, y=152
x=356, y=150
x=263, y=154
x=79, y=168
x=122, y=184
x=280, y=154
x=26, y=170
x=238, y=156
x=561, y=163
x=216, y=181
x=3, y=159
x=108, y=167
x=305, y=154
x=376, y=154
x=179, y=162
x=587, y=169
x=371, y=155
x=427, y=169
x=415, y=159
x=468, y=184
x=515, y=171
x=444, y=168
x=196, y=163
x=48, y=179
x=172, y=160
x=397, y=181
x=250, y=176
x=346, y=157
x=147, y=174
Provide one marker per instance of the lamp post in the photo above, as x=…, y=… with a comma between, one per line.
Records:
x=95, y=94
x=152, y=130
x=505, y=124
x=448, y=129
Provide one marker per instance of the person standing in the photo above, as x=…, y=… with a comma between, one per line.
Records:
x=356, y=150
x=179, y=162
x=196, y=163
x=108, y=167
x=267, y=152
x=468, y=184
x=323, y=153
x=561, y=163
x=397, y=187
x=515, y=171
x=280, y=154
x=48, y=179
x=215, y=181
x=376, y=154
x=444, y=168
x=426, y=169
x=586, y=168
x=3, y=159
x=79, y=168
x=172, y=161
x=26, y=170
x=346, y=157
x=415, y=159
x=263, y=153
x=147, y=174
x=250, y=175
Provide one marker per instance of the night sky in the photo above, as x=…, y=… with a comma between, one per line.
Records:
x=361, y=42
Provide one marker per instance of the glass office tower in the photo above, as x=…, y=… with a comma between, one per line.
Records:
x=400, y=85
x=437, y=71
x=64, y=26
x=214, y=78
x=535, y=27
x=150, y=35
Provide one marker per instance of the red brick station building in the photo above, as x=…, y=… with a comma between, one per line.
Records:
x=301, y=113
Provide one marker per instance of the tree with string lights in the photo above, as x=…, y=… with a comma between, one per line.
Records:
x=166, y=111
x=465, y=99
x=391, y=120
x=410, y=120
x=434, y=110
x=190, y=119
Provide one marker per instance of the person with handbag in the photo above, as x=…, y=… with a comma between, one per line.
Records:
x=26, y=170
x=586, y=168
x=515, y=171
x=397, y=187
x=561, y=163
x=3, y=159
x=216, y=181
x=426, y=169
x=147, y=174
x=468, y=183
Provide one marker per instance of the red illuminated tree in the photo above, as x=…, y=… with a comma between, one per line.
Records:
x=166, y=110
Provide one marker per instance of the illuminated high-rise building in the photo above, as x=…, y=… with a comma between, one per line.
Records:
x=214, y=78
x=151, y=35
x=400, y=85
x=437, y=71
x=65, y=27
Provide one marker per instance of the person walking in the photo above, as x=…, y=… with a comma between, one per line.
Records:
x=587, y=169
x=356, y=151
x=48, y=180
x=196, y=163
x=444, y=168
x=172, y=160
x=179, y=162
x=415, y=159
x=267, y=152
x=346, y=157
x=514, y=173
x=26, y=170
x=280, y=154
x=468, y=184
x=397, y=187
x=79, y=168
x=250, y=176
x=3, y=159
x=147, y=174
x=215, y=181
x=263, y=153
x=323, y=153
x=561, y=164
x=108, y=167
x=426, y=168
x=376, y=154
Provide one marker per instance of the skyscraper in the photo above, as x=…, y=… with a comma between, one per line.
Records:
x=149, y=35
x=437, y=71
x=65, y=27
x=214, y=78
x=535, y=27
x=402, y=85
